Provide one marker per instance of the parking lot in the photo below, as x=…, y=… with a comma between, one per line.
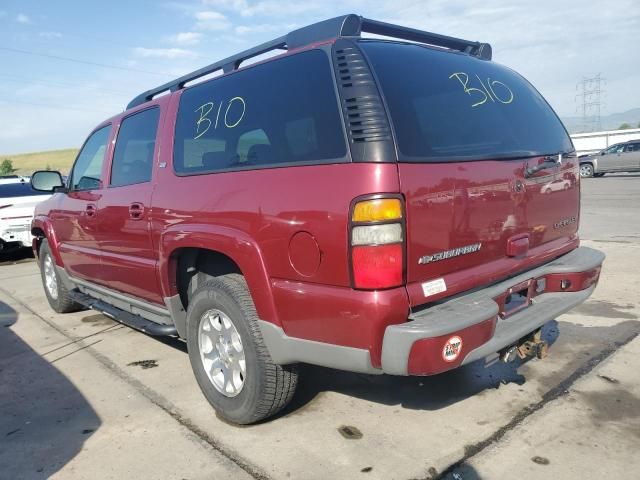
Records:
x=84, y=397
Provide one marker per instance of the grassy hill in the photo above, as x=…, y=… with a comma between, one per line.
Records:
x=27, y=163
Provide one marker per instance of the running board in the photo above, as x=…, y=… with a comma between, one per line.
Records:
x=126, y=318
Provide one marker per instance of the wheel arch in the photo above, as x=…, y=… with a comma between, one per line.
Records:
x=42, y=229
x=213, y=251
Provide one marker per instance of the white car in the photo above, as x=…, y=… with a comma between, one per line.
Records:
x=17, y=203
x=12, y=179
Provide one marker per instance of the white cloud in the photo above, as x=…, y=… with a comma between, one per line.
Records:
x=211, y=20
x=169, y=53
x=186, y=38
x=271, y=8
x=261, y=28
x=23, y=19
x=50, y=35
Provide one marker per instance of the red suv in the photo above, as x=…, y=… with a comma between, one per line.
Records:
x=370, y=205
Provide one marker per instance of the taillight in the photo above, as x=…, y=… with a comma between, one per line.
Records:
x=376, y=238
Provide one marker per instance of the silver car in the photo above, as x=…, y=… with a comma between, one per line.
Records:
x=621, y=157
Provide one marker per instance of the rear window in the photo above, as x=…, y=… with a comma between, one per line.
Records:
x=21, y=189
x=448, y=106
x=283, y=112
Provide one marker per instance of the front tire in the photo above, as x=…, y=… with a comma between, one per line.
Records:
x=229, y=358
x=586, y=170
x=55, y=290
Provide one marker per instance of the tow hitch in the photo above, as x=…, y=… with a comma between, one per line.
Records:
x=530, y=346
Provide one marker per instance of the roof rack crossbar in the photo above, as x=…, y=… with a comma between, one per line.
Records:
x=339, y=27
x=415, y=35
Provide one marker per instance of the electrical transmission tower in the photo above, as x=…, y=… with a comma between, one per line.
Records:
x=589, y=102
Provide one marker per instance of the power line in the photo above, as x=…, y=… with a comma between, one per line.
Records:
x=112, y=42
x=114, y=111
x=46, y=83
x=84, y=62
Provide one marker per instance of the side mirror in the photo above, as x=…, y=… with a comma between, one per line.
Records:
x=47, y=181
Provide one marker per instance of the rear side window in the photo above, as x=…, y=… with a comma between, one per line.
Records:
x=283, y=112
x=87, y=171
x=133, y=155
x=448, y=106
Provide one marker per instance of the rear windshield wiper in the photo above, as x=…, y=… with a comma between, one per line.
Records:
x=549, y=161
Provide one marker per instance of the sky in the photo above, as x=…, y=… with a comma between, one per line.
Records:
x=67, y=65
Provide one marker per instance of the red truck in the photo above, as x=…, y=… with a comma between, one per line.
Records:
x=371, y=205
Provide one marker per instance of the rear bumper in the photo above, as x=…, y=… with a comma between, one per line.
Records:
x=16, y=234
x=469, y=327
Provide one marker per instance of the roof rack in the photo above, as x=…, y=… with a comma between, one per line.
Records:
x=339, y=27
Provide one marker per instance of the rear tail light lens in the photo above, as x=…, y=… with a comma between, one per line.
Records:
x=376, y=234
x=377, y=266
x=377, y=210
x=377, y=243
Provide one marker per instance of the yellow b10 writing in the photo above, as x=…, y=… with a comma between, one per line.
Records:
x=230, y=120
x=487, y=92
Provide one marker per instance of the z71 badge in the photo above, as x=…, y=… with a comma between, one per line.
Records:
x=456, y=252
x=564, y=222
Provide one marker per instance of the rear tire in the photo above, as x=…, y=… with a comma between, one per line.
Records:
x=229, y=358
x=55, y=290
x=586, y=170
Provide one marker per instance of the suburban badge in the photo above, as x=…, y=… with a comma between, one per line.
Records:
x=456, y=252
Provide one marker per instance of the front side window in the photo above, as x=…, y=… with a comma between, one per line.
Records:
x=283, y=112
x=449, y=106
x=133, y=155
x=87, y=171
x=614, y=149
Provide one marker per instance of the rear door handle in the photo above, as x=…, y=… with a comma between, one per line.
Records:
x=90, y=210
x=136, y=211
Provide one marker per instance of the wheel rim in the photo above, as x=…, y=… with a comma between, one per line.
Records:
x=50, y=279
x=222, y=352
x=585, y=171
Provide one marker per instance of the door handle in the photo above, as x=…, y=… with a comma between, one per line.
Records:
x=90, y=210
x=136, y=211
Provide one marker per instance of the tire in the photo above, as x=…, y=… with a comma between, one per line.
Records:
x=586, y=170
x=242, y=398
x=56, y=292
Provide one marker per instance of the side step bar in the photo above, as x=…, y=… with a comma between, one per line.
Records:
x=126, y=318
